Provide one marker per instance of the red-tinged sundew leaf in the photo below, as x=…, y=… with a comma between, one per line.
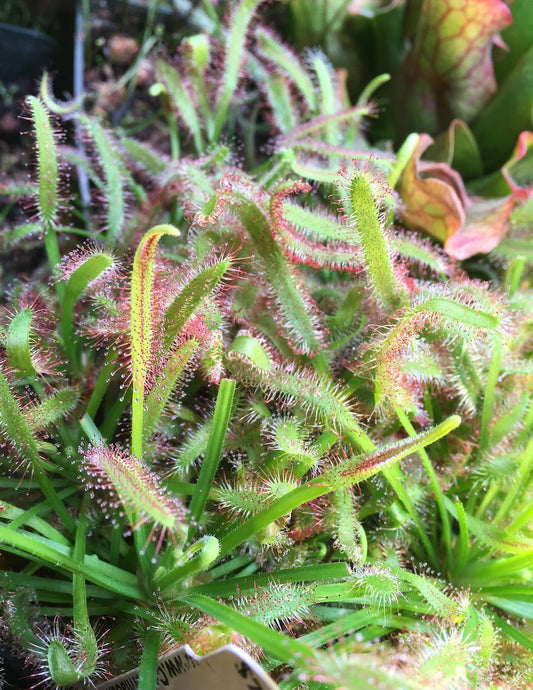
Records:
x=138, y=489
x=448, y=71
x=141, y=323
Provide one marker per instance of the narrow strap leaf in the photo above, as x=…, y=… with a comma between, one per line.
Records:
x=213, y=453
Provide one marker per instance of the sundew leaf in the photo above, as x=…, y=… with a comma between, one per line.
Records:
x=241, y=17
x=154, y=162
x=47, y=162
x=14, y=426
x=463, y=313
x=79, y=270
x=112, y=469
x=181, y=100
x=362, y=205
x=51, y=409
x=287, y=63
x=298, y=317
x=161, y=389
x=283, y=108
x=141, y=329
x=493, y=537
x=18, y=343
x=111, y=163
x=359, y=467
x=191, y=296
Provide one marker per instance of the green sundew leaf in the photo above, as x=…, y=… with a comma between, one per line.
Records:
x=422, y=253
x=196, y=559
x=347, y=528
x=11, y=235
x=60, y=666
x=78, y=281
x=111, y=163
x=252, y=350
x=300, y=137
x=363, y=208
x=302, y=167
x=297, y=318
x=47, y=162
x=235, y=51
x=287, y=63
x=443, y=605
x=326, y=82
x=193, y=293
x=197, y=59
x=14, y=425
x=18, y=344
x=154, y=162
x=507, y=423
x=62, y=108
x=281, y=101
x=493, y=537
x=51, y=409
x=160, y=391
x=320, y=226
x=181, y=100
x=193, y=446
x=459, y=312
x=141, y=324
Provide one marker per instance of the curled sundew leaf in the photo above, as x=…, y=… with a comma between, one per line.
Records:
x=448, y=70
x=142, y=328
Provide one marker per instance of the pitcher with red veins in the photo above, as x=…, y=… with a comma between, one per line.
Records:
x=448, y=71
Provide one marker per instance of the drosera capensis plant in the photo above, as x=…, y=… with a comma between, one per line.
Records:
x=260, y=412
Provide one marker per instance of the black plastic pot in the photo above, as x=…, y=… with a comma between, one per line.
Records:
x=24, y=52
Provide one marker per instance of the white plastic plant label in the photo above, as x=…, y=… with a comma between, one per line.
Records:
x=228, y=668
